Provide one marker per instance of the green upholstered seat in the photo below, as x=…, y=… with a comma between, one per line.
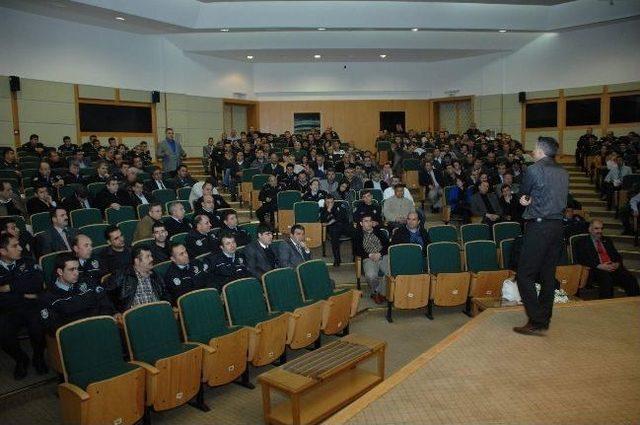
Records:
x=97, y=250
x=444, y=233
x=115, y=216
x=161, y=268
x=287, y=198
x=306, y=212
x=47, y=262
x=164, y=195
x=143, y=210
x=251, y=229
x=85, y=217
x=95, y=232
x=481, y=256
x=315, y=281
x=95, y=188
x=282, y=290
x=128, y=228
x=573, y=241
x=259, y=180
x=184, y=193
x=506, y=230
x=92, y=351
x=68, y=189
x=179, y=238
x=248, y=173
x=443, y=257
x=506, y=248
x=406, y=259
x=246, y=303
x=153, y=332
x=203, y=315
x=40, y=221
x=475, y=232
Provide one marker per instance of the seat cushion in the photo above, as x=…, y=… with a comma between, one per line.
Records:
x=104, y=371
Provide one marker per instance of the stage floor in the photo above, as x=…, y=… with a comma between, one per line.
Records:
x=586, y=370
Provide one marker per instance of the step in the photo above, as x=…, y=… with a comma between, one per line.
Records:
x=586, y=194
x=579, y=179
x=601, y=213
x=620, y=241
x=632, y=255
x=589, y=202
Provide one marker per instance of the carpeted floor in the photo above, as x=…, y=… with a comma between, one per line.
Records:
x=585, y=371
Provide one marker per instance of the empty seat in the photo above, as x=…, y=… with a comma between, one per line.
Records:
x=286, y=200
x=85, y=217
x=408, y=283
x=443, y=233
x=506, y=230
x=115, y=216
x=475, y=232
x=486, y=275
x=449, y=283
x=95, y=232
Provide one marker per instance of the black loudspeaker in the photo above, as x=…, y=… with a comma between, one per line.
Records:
x=14, y=83
x=155, y=96
x=522, y=96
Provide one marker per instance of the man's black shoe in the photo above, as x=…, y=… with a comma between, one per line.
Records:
x=20, y=371
x=530, y=329
x=40, y=366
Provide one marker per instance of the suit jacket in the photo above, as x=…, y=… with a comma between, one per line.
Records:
x=152, y=185
x=35, y=205
x=71, y=203
x=402, y=235
x=586, y=254
x=288, y=255
x=51, y=241
x=369, y=185
x=478, y=208
x=135, y=201
x=106, y=198
x=257, y=260
x=170, y=160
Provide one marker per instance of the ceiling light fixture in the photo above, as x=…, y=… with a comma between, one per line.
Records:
x=414, y=29
x=502, y=31
x=249, y=56
x=317, y=56
x=120, y=18
x=322, y=29
x=383, y=56
x=224, y=29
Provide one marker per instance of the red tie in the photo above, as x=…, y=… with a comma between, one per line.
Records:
x=602, y=253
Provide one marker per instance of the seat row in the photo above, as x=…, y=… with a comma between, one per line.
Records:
x=253, y=323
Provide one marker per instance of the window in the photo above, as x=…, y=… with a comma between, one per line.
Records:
x=115, y=118
x=625, y=109
x=541, y=115
x=583, y=112
x=390, y=120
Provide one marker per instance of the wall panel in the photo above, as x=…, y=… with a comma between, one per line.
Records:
x=6, y=116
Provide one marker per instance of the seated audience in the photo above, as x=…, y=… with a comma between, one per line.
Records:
x=293, y=250
x=259, y=254
x=112, y=196
x=10, y=203
x=89, y=268
x=368, y=207
x=486, y=205
x=371, y=245
x=613, y=179
x=136, y=283
x=102, y=173
x=396, y=208
x=183, y=178
x=9, y=225
x=41, y=202
x=599, y=253
x=78, y=200
x=21, y=282
x=59, y=236
x=156, y=181
x=117, y=255
x=628, y=212
x=160, y=248
x=431, y=180
x=230, y=226
x=73, y=176
x=376, y=182
x=314, y=193
x=269, y=198
x=412, y=232
x=45, y=177
x=200, y=240
x=390, y=191
x=227, y=265
x=574, y=224
x=329, y=184
x=144, y=228
x=509, y=204
x=70, y=298
x=138, y=196
x=336, y=220
x=67, y=148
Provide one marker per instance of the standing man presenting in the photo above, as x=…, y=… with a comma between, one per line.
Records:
x=171, y=152
x=544, y=194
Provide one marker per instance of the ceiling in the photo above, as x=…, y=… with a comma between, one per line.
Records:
x=341, y=31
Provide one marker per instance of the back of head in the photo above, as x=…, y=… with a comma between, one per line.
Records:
x=548, y=145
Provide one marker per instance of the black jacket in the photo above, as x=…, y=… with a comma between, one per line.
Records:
x=258, y=259
x=402, y=235
x=196, y=243
x=106, y=198
x=25, y=277
x=222, y=270
x=112, y=260
x=124, y=283
x=160, y=254
x=178, y=282
x=91, y=271
x=586, y=254
x=174, y=226
x=84, y=299
x=242, y=238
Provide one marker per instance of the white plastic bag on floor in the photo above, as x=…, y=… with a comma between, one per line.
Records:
x=510, y=291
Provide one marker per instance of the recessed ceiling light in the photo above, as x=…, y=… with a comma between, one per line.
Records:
x=224, y=29
x=383, y=56
x=322, y=29
x=414, y=29
x=502, y=31
x=249, y=56
x=317, y=56
x=120, y=18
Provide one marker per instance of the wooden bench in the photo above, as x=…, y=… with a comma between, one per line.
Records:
x=323, y=381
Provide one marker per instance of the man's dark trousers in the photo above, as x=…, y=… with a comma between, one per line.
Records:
x=541, y=249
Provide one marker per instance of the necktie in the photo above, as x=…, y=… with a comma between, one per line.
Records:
x=299, y=250
x=63, y=234
x=161, y=185
x=602, y=252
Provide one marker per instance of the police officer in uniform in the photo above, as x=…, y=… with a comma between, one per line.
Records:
x=230, y=225
x=21, y=282
x=227, y=265
x=201, y=240
x=543, y=192
x=88, y=266
x=184, y=276
x=70, y=299
x=334, y=217
x=269, y=198
x=367, y=208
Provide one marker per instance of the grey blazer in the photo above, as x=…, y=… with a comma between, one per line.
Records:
x=170, y=161
x=51, y=241
x=257, y=261
x=289, y=256
x=478, y=208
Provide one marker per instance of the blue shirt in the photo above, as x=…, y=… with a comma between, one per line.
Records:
x=172, y=145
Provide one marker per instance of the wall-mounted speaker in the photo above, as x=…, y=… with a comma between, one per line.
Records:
x=155, y=96
x=522, y=97
x=14, y=83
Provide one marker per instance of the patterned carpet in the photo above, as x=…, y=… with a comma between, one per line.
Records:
x=585, y=371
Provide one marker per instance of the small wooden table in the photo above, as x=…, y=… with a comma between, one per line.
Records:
x=323, y=381
x=479, y=305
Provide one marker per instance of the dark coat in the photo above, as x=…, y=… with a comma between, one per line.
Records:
x=258, y=261
x=402, y=235
x=51, y=241
x=288, y=255
x=586, y=254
